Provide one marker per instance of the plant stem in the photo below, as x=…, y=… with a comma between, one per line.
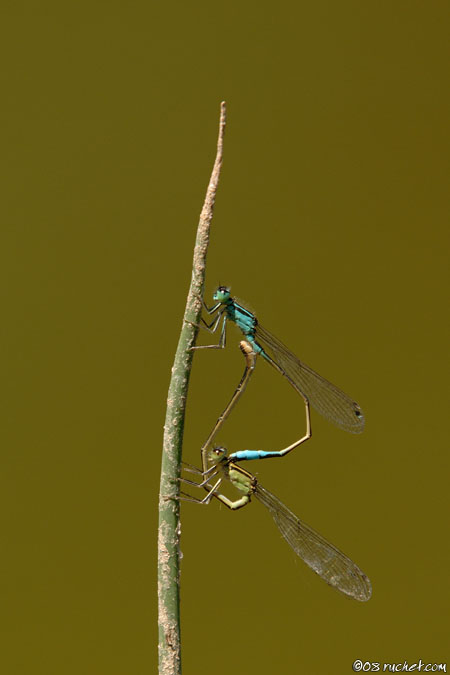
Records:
x=169, y=506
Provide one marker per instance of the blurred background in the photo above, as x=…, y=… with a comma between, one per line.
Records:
x=331, y=223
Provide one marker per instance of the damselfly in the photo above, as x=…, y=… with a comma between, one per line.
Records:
x=328, y=400
x=326, y=560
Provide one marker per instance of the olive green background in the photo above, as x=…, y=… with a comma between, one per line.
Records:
x=331, y=223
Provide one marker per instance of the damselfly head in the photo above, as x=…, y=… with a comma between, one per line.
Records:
x=222, y=294
x=216, y=455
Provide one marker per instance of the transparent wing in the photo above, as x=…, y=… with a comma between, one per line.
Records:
x=322, y=557
x=327, y=399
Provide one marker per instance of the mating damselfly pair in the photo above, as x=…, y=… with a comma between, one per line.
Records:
x=321, y=556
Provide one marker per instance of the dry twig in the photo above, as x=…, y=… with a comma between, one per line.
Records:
x=169, y=510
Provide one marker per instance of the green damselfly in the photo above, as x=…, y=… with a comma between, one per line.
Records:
x=322, y=557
